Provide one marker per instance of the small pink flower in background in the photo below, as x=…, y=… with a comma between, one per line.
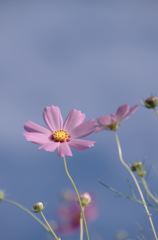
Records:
x=69, y=214
x=112, y=121
x=61, y=135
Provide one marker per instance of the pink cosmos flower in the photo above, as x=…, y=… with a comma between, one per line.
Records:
x=112, y=121
x=61, y=135
x=69, y=214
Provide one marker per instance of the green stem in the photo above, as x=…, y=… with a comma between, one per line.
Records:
x=51, y=231
x=147, y=190
x=81, y=227
x=27, y=211
x=120, y=194
x=78, y=196
x=137, y=185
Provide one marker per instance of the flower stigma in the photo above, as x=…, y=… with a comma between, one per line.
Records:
x=60, y=136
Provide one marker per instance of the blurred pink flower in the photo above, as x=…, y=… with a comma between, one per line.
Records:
x=69, y=214
x=112, y=121
x=61, y=135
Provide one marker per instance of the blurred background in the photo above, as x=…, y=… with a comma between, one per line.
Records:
x=90, y=55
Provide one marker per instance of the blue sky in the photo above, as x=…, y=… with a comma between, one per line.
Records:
x=88, y=55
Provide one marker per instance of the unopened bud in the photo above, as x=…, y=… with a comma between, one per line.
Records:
x=38, y=207
x=139, y=168
x=151, y=102
x=2, y=195
x=85, y=199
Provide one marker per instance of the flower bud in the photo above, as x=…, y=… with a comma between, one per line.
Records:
x=2, y=195
x=85, y=199
x=38, y=207
x=139, y=168
x=151, y=102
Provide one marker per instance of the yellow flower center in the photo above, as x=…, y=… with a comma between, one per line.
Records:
x=61, y=136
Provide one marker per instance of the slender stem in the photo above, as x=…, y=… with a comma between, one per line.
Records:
x=120, y=194
x=78, y=196
x=81, y=227
x=12, y=202
x=147, y=190
x=49, y=227
x=137, y=185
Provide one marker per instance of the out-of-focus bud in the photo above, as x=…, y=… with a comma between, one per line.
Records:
x=151, y=102
x=85, y=199
x=69, y=212
x=139, y=168
x=2, y=195
x=38, y=207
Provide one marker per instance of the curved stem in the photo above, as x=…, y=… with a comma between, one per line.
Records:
x=137, y=185
x=147, y=190
x=78, y=196
x=12, y=202
x=49, y=227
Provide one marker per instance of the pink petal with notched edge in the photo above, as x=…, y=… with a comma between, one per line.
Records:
x=35, y=137
x=64, y=150
x=53, y=118
x=122, y=112
x=34, y=127
x=74, y=118
x=133, y=109
x=50, y=146
x=81, y=144
x=84, y=129
x=125, y=111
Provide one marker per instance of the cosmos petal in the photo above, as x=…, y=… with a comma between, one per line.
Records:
x=81, y=144
x=38, y=138
x=133, y=109
x=125, y=111
x=64, y=150
x=122, y=112
x=53, y=117
x=105, y=120
x=50, y=146
x=74, y=118
x=84, y=129
x=34, y=127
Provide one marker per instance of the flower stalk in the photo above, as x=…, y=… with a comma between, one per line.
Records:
x=81, y=226
x=147, y=190
x=137, y=185
x=78, y=197
x=20, y=206
x=45, y=225
x=51, y=231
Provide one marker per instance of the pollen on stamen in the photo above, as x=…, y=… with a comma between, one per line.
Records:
x=60, y=136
